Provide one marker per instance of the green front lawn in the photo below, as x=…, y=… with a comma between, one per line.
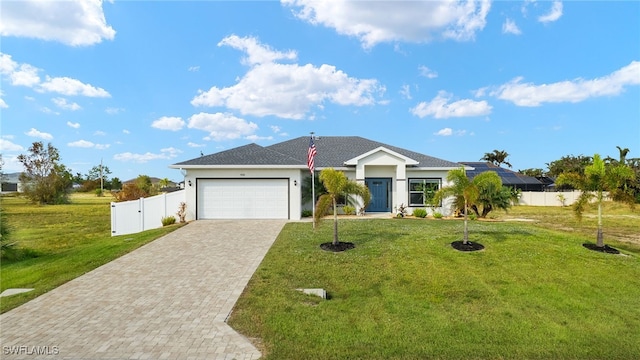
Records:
x=404, y=293
x=57, y=243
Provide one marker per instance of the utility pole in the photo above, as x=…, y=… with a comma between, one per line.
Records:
x=101, y=182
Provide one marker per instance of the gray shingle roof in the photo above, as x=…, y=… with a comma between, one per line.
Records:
x=332, y=151
x=251, y=154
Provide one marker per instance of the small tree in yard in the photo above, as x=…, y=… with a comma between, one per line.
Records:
x=485, y=190
x=45, y=180
x=336, y=183
x=465, y=193
x=597, y=178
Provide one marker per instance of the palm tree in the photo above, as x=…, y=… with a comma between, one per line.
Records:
x=336, y=183
x=598, y=178
x=497, y=157
x=623, y=154
x=485, y=189
x=164, y=182
x=465, y=193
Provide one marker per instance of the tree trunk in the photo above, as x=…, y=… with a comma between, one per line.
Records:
x=599, y=238
x=465, y=237
x=335, y=222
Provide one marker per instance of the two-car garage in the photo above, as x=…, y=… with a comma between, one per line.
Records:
x=243, y=198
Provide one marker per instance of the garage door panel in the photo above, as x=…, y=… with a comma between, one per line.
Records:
x=243, y=199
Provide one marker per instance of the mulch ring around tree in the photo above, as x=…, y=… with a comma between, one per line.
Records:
x=340, y=246
x=469, y=246
x=605, y=249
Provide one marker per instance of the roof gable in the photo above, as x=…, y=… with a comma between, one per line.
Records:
x=381, y=149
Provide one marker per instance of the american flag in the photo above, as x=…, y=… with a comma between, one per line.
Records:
x=311, y=154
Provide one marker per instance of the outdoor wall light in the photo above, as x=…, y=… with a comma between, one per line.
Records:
x=189, y=182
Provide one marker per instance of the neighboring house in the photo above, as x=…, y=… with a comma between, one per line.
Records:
x=256, y=182
x=509, y=178
x=10, y=183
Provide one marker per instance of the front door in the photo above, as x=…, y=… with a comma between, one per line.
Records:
x=380, y=189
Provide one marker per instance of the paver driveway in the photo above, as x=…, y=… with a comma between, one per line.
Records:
x=167, y=300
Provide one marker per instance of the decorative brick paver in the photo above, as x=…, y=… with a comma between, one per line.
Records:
x=167, y=300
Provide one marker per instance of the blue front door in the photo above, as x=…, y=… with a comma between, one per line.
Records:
x=380, y=189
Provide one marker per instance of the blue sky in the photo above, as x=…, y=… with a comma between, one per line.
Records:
x=141, y=85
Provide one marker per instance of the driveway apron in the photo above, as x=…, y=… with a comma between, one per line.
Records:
x=166, y=300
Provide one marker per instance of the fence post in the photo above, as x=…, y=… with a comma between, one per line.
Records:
x=141, y=213
x=113, y=219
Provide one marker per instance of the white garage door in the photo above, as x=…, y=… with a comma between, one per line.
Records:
x=243, y=198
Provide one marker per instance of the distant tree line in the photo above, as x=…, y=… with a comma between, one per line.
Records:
x=45, y=180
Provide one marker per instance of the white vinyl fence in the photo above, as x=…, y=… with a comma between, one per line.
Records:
x=134, y=216
x=536, y=198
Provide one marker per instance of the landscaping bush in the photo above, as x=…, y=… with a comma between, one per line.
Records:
x=421, y=213
x=437, y=215
x=349, y=210
x=307, y=213
x=169, y=220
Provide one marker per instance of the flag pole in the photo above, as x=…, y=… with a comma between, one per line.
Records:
x=313, y=193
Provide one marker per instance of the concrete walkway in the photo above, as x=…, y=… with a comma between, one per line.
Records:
x=167, y=300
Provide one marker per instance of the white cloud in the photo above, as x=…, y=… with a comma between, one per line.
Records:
x=46, y=110
x=18, y=74
x=412, y=21
x=165, y=154
x=73, y=125
x=426, y=72
x=256, y=137
x=405, y=91
x=450, y=132
x=42, y=135
x=6, y=145
x=63, y=104
x=528, y=94
x=257, y=53
x=289, y=90
x=125, y=131
x=222, y=126
x=70, y=87
x=99, y=133
x=113, y=111
x=3, y=104
x=554, y=14
x=194, y=145
x=168, y=123
x=81, y=144
x=441, y=108
x=27, y=75
x=194, y=68
x=87, y=144
x=75, y=23
x=510, y=27
x=285, y=90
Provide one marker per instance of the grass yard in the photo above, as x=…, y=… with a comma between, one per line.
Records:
x=57, y=243
x=403, y=293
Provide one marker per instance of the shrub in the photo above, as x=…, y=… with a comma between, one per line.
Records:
x=307, y=213
x=421, y=213
x=473, y=216
x=169, y=220
x=437, y=215
x=349, y=210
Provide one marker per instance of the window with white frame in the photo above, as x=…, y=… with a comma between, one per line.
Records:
x=422, y=191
